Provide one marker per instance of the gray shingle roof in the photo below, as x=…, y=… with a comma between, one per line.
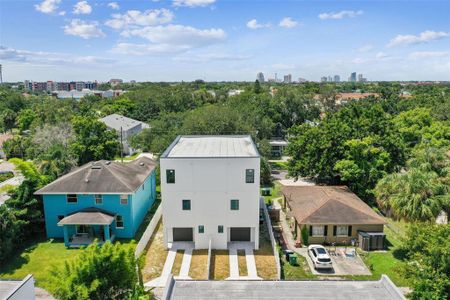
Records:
x=88, y=216
x=103, y=177
x=116, y=121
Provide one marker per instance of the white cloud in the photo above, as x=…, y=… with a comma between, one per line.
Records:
x=169, y=39
x=113, y=5
x=253, y=24
x=193, y=3
x=83, y=29
x=365, y=48
x=137, y=18
x=62, y=13
x=423, y=37
x=206, y=57
x=48, y=58
x=427, y=54
x=340, y=15
x=381, y=55
x=48, y=6
x=178, y=35
x=288, y=23
x=82, y=8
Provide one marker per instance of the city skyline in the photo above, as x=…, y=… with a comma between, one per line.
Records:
x=223, y=40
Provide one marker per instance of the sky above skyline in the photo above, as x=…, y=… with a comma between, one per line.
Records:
x=229, y=40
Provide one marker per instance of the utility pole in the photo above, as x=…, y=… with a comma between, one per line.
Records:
x=121, y=144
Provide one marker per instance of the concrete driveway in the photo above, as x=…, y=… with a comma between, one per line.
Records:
x=342, y=264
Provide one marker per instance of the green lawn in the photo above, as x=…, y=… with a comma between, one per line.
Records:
x=385, y=262
x=299, y=272
x=275, y=192
x=39, y=259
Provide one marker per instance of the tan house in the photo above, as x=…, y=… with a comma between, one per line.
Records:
x=332, y=214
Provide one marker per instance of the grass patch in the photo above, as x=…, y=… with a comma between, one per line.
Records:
x=148, y=217
x=199, y=264
x=127, y=158
x=297, y=272
x=274, y=193
x=386, y=262
x=265, y=260
x=155, y=255
x=278, y=165
x=220, y=265
x=176, y=268
x=242, y=263
x=38, y=259
x=6, y=188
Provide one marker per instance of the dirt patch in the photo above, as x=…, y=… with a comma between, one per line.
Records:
x=242, y=263
x=220, y=265
x=177, y=262
x=155, y=255
x=265, y=260
x=199, y=265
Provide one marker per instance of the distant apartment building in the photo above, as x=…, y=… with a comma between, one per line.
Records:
x=287, y=78
x=361, y=78
x=352, y=77
x=115, y=82
x=323, y=79
x=260, y=77
x=301, y=79
x=337, y=78
x=210, y=191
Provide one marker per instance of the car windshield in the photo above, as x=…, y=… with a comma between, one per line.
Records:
x=324, y=259
x=321, y=251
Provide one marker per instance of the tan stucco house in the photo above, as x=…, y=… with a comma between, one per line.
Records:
x=330, y=214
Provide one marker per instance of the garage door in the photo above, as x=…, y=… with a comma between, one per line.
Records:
x=241, y=234
x=183, y=234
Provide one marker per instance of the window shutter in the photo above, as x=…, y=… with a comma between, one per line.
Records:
x=334, y=230
x=325, y=230
x=350, y=230
x=310, y=230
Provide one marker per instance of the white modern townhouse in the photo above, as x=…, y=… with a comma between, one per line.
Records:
x=210, y=191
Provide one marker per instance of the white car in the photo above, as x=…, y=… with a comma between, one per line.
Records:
x=320, y=257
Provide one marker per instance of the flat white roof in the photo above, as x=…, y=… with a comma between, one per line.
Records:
x=212, y=146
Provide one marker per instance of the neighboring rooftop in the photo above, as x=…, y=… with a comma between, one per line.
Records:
x=212, y=146
x=317, y=290
x=116, y=121
x=328, y=205
x=10, y=289
x=88, y=216
x=103, y=177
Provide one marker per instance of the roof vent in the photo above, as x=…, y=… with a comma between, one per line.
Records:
x=141, y=164
x=94, y=167
x=107, y=163
x=86, y=180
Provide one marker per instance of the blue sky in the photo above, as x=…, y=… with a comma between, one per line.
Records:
x=173, y=40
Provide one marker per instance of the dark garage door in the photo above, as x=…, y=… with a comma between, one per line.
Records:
x=241, y=234
x=183, y=234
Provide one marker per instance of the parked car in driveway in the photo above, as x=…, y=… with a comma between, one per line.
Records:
x=319, y=256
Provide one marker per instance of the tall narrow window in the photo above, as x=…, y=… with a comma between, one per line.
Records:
x=119, y=221
x=72, y=198
x=186, y=204
x=124, y=199
x=98, y=199
x=250, y=176
x=170, y=176
x=234, y=204
x=201, y=229
x=220, y=229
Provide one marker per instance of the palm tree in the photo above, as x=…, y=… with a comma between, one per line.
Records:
x=415, y=195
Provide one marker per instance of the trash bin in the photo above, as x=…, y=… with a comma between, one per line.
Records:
x=266, y=192
x=293, y=259
x=288, y=253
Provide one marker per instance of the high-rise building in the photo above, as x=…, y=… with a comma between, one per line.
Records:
x=51, y=86
x=260, y=77
x=301, y=79
x=287, y=78
x=337, y=78
x=323, y=79
x=330, y=79
x=79, y=85
x=361, y=78
x=352, y=77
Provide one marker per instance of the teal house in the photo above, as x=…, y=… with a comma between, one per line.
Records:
x=101, y=200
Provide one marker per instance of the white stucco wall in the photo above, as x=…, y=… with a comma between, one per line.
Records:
x=210, y=184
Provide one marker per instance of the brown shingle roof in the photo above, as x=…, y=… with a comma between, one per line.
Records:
x=103, y=177
x=328, y=205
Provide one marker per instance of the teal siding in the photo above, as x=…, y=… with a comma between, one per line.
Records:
x=133, y=213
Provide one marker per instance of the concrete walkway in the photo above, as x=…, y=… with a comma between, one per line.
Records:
x=252, y=273
x=167, y=269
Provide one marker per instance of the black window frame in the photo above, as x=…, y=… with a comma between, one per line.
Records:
x=201, y=228
x=121, y=221
x=234, y=201
x=98, y=196
x=170, y=176
x=72, y=196
x=249, y=175
x=185, y=201
x=220, y=229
